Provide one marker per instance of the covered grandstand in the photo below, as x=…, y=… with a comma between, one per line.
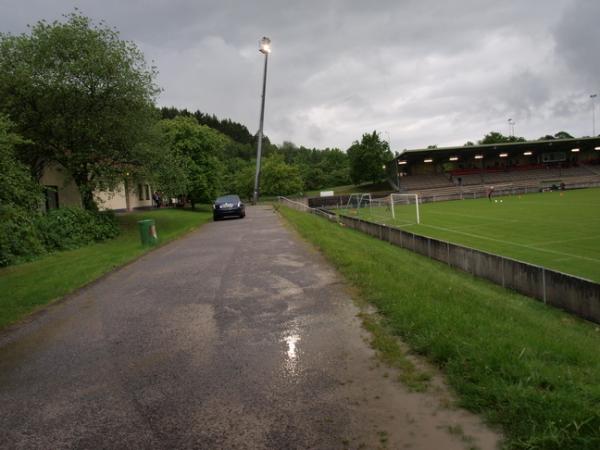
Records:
x=468, y=171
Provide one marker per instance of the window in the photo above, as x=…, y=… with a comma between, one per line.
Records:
x=140, y=192
x=51, y=197
x=147, y=191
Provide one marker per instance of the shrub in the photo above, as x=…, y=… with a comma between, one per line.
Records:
x=19, y=236
x=69, y=228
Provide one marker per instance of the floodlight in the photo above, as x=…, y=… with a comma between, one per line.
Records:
x=454, y=158
x=478, y=156
x=265, y=45
x=428, y=160
x=527, y=153
x=401, y=163
x=503, y=155
x=574, y=150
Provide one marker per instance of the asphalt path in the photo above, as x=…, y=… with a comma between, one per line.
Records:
x=238, y=336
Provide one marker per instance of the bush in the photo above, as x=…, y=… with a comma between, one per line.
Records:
x=69, y=228
x=19, y=236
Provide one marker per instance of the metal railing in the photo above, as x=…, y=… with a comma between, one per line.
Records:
x=305, y=208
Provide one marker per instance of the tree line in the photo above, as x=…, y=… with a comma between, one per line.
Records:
x=73, y=92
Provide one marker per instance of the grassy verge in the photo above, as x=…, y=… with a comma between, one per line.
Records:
x=531, y=369
x=28, y=286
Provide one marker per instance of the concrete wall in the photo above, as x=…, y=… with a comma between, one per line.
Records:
x=575, y=295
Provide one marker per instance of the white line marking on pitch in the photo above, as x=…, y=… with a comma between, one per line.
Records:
x=564, y=241
x=513, y=243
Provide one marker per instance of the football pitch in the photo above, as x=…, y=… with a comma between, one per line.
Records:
x=557, y=230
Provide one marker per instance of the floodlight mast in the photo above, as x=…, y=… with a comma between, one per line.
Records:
x=265, y=49
x=511, y=127
x=593, y=98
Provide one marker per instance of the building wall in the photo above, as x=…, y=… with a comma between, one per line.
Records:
x=56, y=175
x=68, y=194
x=116, y=200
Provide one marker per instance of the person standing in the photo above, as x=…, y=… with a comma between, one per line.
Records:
x=156, y=198
x=490, y=192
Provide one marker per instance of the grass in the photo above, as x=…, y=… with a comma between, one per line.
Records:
x=531, y=369
x=389, y=351
x=27, y=287
x=553, y=229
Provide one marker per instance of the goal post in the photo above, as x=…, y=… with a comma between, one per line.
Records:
x=358, y=200
x=405, y=206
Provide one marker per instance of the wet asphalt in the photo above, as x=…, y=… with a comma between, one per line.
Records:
x=238, y=336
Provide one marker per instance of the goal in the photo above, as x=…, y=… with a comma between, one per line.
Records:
x=358, y=201
x=405, y=208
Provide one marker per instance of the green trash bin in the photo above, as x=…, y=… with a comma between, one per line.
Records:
x=148, y=233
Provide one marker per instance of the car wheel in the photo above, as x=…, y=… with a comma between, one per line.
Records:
x=242, y=215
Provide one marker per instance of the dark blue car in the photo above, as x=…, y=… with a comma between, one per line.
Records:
x=228, y=206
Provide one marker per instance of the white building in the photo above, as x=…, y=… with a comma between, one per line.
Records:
x=60, y=190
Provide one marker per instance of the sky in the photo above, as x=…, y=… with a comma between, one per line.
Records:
x=422, y=72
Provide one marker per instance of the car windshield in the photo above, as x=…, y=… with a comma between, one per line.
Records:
x=228, y=199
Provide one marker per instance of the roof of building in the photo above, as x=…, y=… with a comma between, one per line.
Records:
x=512, y=148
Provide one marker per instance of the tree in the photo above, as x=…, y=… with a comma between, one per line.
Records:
x=196, y=149
x=82, y=97
x=563, y=135
x=367, y=159
x=495, y=137
x=20, y=200
x=279, y=178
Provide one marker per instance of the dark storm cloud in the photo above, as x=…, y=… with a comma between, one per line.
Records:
x=420, y=72
x=577, y=36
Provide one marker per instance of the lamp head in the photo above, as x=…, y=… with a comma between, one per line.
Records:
x=264, y=45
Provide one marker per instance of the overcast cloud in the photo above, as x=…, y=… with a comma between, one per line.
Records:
x=419, y=72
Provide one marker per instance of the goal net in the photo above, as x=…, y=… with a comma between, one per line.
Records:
x=358, y=201
x=405, y=208
x=396, y=209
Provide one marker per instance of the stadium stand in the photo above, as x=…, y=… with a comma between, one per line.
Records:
x=456, y=172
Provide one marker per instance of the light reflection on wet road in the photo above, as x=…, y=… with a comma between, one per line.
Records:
x=236, y=337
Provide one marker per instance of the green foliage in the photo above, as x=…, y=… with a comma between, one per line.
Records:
x=234, y=130
x=195, y=151
x=16, y=185
x=240, y=177
x=20, y=199
x=495, y=137
x=367, y=159
x=563, y=135
x=279, y=178
x=69, y=228
x=20, y=238
x=81, y=96
x=318, y=168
